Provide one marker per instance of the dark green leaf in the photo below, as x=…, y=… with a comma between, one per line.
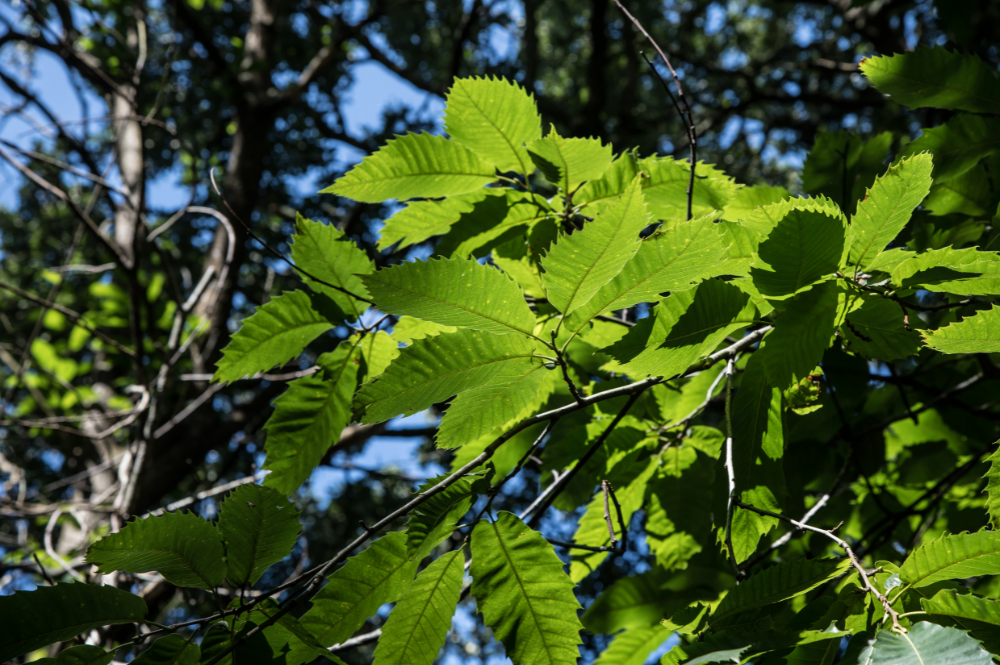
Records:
x=804, y=247
x=170, y=650
x=958, y=144
x=83, y=654
x=259, y=528
x=953, y=557
x=923, y=643
x=801, y=334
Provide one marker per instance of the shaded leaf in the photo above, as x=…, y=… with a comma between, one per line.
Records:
x=968, y=194
x=953, y=557
x=958, y=144
x=259, y=528
x=86, y=654
x=170, y=650
x=569, y=162
x=183, y=547
x=800, y=336
x=803, y=247
x=923, y=643
x=882, y=323
x=434, y=519
x=842, y=165
x=634, y=646
x=993, y=489
x=642, y=600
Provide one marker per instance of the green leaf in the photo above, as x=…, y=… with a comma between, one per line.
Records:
x=34, y=619
x=679, y=503
x=422, y=220
x=183, y=547
x=510, y=395
x=578, y=265
x=959, y=271
x=378, y=350
x=968, y=194
x=494, y=118
x=286, y=631
x=170, y=650
x=720, y=649
x=969, y=609
x=453, y=292
x=497, y=219
x=408, y=329
x=323, y=250
x=309, y=417
x=801, y=334
x=803, y=247
x=937, y=78
x=779, y=582
x=924, y=642
x=953, y=557
x=259, y=528
x=434, y=519
x=523, y=593
x=85, y=654
x=672, y=259
x=979, y=333
x=379, y=575
x=414, y=165
x=569, y=162
x=887, y=208
x=677, y=336
x=958, y=144
x=882, y=323
x=434, y=369
x=842, y=165
x=634, y=646
x=748, y=199
x=642, y=600
x=277, y=332
x=993, y=489
x=418, y=625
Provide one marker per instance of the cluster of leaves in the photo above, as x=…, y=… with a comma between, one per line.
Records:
x=545, y=239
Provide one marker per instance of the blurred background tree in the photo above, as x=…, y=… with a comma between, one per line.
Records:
x=104, y=210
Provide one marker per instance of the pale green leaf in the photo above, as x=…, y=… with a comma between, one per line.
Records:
x=422, y=220
x=980, y=616
x=453, y=292
x=49, y=614
x=801, y=334
x=578, y=265
x=779, y=582
x=672, y=259
x=309, y=417
x=434, y=519
x=408, y=328
x=634, y=646
x=170, y=650
x=924, y=642
x=949, y=270
x=958, y=144
x=882, y=322
x=379, y=575
x=494, y=118
x=436, y=368
x=378, y=350
x=276, y=333
x=761, y=221
x=420, y=621
x=803, y=248
x=979, y=333
x=568, y=162
x=86, y=654
x=748, y=199
x=322, y=250
x=259, y=528
x=523, y=593
x=183, y=547
x=887, y=208
x=993, y=490
x=414, y=165
x=953, y=557
x=937, y=78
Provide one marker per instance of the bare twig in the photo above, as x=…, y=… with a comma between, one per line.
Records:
x=730, y=471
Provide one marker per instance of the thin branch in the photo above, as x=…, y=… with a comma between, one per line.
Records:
x=730, y=471
x=182, y=503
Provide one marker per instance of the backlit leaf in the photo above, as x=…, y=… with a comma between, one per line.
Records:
x=979, y=333
x=259, y=528
x=953, y=557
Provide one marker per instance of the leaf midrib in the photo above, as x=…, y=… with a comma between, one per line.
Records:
x=330, y=269
x=427, y=603
x=513, y=148
x=886, y=219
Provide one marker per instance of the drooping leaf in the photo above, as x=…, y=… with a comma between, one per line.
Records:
x=724, y=648
x=323, y=251
x=953, y=557
x=993, y=489
x=506, y=397
x=523, y=593
x=309, y=417
x=494, y=118
x=170, y=650
x=277, y=332
x=578, y=265
x=924, y=642
x=937, y=78
x=568, y=162
x=979, y=333
x=779, y=582
x=259, y=528
x=414, y=165
x=803, y=247
x=887, y=208
x=434, y=519
x=842, y=165
x=34, y=619
x=453, y=292
x=436, y=368
x=672, y=259
x=882, y=322
x=958, y=144
x=634, y=646
x=285, y=635
x=422, y=220
x=379, y=575
x=86, y=654
x=800, y=336
x=183, y=547
x=418, y=625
